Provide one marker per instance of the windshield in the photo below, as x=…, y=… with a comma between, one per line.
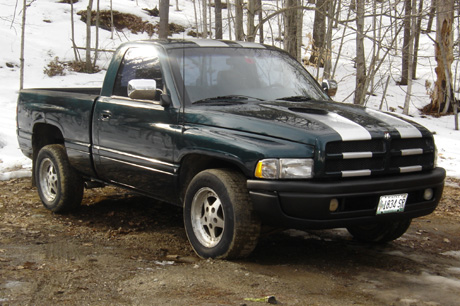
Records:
x=210, y=74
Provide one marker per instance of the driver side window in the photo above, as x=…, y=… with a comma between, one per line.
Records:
x=138, y=63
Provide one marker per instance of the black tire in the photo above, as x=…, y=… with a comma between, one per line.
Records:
x=218, y=215
x=59, y=186
x=380, y=232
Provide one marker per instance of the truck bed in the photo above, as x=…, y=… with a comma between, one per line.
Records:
x=67, y=109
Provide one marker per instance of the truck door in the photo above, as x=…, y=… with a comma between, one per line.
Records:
x=134, y=139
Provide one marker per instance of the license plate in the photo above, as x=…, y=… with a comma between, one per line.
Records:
x=392, y=203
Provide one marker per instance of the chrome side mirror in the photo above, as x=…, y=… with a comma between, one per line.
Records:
x=143, y=89
x=329, y=87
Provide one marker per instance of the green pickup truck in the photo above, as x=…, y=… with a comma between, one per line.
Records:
x=238, y=134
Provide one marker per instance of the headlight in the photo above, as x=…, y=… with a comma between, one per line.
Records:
x=284, y=168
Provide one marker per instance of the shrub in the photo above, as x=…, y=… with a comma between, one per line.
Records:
x=55, y=67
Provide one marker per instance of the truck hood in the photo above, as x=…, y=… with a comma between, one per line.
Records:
x=305, y=122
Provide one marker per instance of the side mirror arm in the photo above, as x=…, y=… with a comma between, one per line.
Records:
x=165, y=100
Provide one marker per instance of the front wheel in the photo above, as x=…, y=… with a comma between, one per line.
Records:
x=380, y=232
x=218, y=216
x=60, y=187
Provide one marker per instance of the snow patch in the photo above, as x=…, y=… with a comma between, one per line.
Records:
x=455, y=254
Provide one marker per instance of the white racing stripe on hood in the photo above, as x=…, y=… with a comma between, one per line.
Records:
x=405, y=129
x=347, y=129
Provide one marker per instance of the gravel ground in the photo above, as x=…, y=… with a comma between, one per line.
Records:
x=123, y=249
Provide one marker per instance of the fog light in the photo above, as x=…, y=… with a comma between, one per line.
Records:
x=333, y=205
x=428, y=194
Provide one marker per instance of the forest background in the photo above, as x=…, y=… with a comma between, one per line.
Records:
x=399, y=56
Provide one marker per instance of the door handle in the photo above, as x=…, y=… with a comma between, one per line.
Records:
x=105, y=115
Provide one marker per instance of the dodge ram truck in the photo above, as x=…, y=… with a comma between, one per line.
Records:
x=240, y=136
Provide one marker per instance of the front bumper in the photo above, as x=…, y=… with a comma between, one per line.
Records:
x=305, y=204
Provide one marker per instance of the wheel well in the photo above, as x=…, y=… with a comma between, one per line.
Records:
x=44, y=134
x=192, y=164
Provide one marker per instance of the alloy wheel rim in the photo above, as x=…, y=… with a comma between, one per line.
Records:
x=48, y=180
x=208, y=218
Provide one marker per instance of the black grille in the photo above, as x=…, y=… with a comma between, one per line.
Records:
x=387, y=156
x=412, y=143
x=354, y=164
x=355, y=146
x=412, y=160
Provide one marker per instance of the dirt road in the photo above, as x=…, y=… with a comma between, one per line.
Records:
x=122, y=249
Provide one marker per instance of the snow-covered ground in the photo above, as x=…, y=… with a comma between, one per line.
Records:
x=48, y=33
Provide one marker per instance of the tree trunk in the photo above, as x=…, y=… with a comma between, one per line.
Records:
x=210, y=20
x=443, y=91
x=260, y=17
x=72, y=29
x=431, y=16
x=23, y=33
x=251, y=35
x=239, y=20
x=218, y=12
x=97, y=34
x=406, y=43
x=89, y=66
x=299, y=17
x=410, y=62
x=163, y=32
x=229, y=19
x=205, y=19
x=290, y=28
x=319, y=32
x=418, y=29
x=112, y=28
x=328, y=41
x=360, y=90
x=342, y=38
x=197, y=28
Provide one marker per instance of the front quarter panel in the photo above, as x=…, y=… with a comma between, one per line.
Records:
x=239, y=148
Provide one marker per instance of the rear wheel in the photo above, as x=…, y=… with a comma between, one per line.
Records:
x=218, y=216
x=60, y=187
x=380, y=232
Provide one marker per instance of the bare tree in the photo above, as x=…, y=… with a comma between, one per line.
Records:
x=112, y=28
x=205, y=19
x=229, y=19
x=97, y=33
x=196, y=16
x=431, y=16
x=407, y=42
x=418, y=29
x=291, y=27
x=319, y=32
x=239, y=20
x=328, y=40
x=218, y=12
x=23, y=34
x=164, y=19
x=260, y=17
x=89, y=66
x=360, y=90
x=250, y=20
x=443, y=91
x=72, y=27
x=409, y=60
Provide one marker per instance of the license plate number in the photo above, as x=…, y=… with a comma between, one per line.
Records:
x=392, y=203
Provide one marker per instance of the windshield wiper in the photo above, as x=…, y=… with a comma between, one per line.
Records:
x=227, y=99
x=296, y=98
